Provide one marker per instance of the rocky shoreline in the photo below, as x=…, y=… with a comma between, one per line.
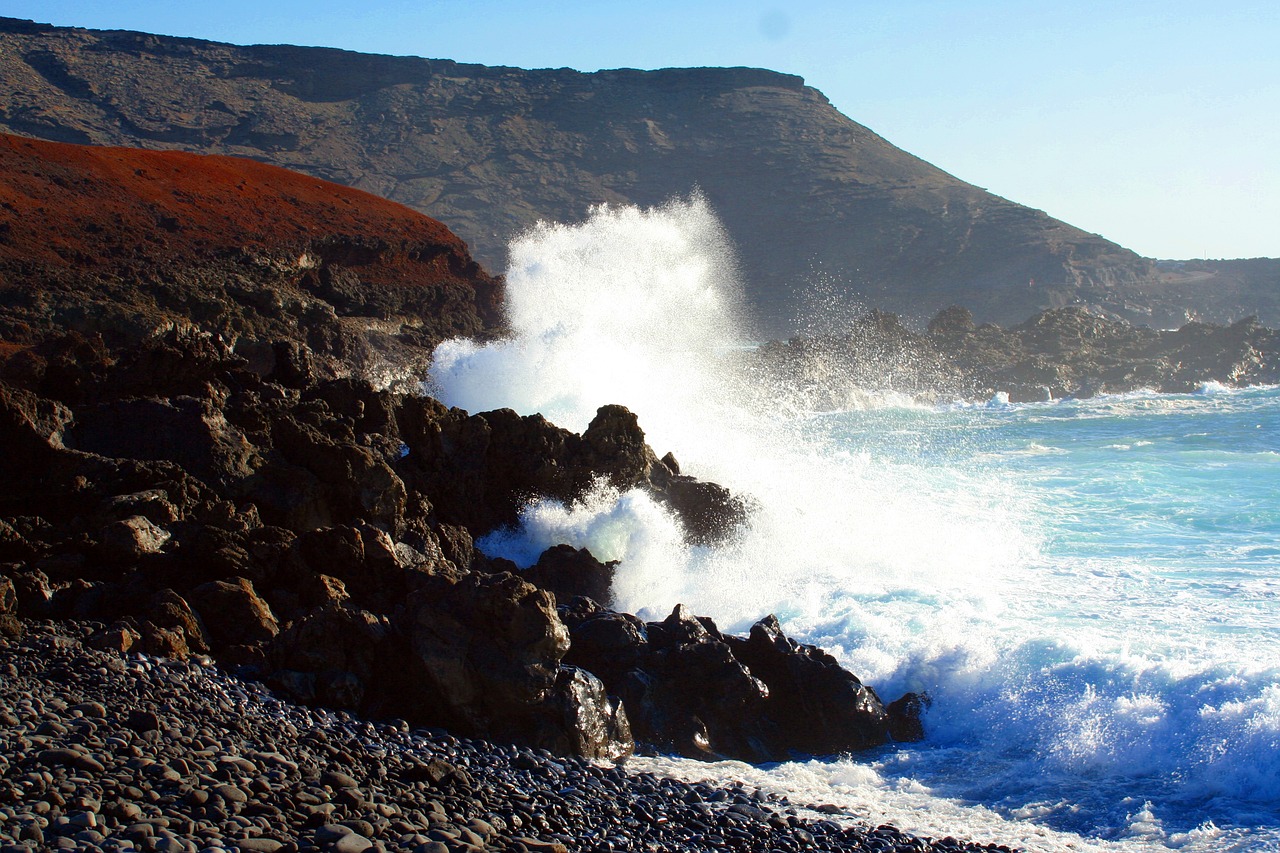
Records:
x=109, y=751
x=204, y=456
x=1059, y=353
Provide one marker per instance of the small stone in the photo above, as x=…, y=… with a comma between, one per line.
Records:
x=536, y=846
x=331, y=832
x=95, y=710
x=337, y=779
x=352, y=843
x=71, y=758
x=143, y=721
x=231, y=794
x=90, y=836
x=433, y=847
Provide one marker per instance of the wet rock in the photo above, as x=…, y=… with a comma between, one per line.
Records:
x=480, y=469
x=814, y=704
x=905, y=713
x=708, y=511
x=583, y=720
x=686, y=686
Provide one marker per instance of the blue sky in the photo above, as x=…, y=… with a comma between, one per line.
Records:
x=1155, y=124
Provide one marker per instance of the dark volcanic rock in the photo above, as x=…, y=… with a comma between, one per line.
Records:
x=1065, y=352
x=481, y=469
x=490, y=648
x=567, y=572
x=690, y=688
x=235, y=612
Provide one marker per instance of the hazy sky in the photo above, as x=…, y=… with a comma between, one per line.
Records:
x=1155, y=124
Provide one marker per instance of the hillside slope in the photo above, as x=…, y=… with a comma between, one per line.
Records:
x=806, y=194
x=130, y=245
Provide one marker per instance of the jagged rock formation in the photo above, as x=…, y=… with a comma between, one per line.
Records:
x=193, y=465
x=802, y=190
x=1065, y=352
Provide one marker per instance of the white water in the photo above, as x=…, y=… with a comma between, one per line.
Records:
x=1104, y=665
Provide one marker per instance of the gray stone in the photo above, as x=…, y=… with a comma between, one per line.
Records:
x=352, y=843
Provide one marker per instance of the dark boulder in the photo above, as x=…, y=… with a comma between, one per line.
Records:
x=567, y=572
x=344, y=657
x=581, y=719
x=127, y=541
x=607, y=643
x=8, y=596
x=482, y=469
x=171, y=611
x=816, y=706
x=490, y=646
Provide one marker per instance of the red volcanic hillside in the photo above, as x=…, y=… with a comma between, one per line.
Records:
x=89, y=235
x=72, y=203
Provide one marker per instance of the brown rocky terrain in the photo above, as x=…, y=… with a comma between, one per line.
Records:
x=805, y=193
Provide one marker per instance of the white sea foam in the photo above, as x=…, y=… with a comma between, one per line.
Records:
x=1096, y=674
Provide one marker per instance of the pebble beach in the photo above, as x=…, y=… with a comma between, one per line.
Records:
x=104, y=751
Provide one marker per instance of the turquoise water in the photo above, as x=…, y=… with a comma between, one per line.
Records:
x=1088, y=590
x=1127, y=688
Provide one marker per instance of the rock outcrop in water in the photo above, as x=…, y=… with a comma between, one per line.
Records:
x=691, y=689
x=204, y=456
x=806, y=194
x=1066, y=352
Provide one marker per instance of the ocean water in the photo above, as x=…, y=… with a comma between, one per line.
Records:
x=1088, y=590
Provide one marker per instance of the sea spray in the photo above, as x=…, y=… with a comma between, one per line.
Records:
x=632, y=306
x=639, y=307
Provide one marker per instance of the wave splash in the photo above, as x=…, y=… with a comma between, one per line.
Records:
x=641, y=307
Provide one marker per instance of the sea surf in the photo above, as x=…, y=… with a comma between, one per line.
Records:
x=1087, y=589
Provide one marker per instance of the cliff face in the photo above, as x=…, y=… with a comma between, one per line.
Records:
x=804, y=192
x=129, y=245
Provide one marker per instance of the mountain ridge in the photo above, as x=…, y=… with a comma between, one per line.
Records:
x=812, y=200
